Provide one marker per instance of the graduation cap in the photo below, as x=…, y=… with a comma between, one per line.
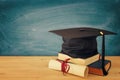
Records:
x=81, y=42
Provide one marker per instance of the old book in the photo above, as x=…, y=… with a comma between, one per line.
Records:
x=96, y=67
x=80, y=61
x=79, y=70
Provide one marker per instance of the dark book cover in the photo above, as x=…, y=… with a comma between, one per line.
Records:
x=96, y=67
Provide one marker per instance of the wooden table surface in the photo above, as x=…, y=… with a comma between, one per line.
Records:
x=36, y=68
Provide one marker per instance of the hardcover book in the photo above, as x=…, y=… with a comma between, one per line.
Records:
x=96, y=67
x=80, y=61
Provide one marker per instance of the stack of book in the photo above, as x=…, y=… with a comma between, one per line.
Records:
x=79, y=66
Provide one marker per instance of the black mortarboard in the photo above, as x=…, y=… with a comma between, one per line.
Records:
x=82, y=32
x=81, y=42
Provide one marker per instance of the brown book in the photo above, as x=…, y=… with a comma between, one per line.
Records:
x=96, y=67
x=79, y=61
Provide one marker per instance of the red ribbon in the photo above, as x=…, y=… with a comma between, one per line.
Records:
x=64, y=66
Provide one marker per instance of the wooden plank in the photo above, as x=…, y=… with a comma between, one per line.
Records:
x=36, y=68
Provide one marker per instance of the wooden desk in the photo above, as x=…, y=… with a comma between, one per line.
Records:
x=36, y=68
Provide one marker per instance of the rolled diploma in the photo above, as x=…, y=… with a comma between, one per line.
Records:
x=79, y=70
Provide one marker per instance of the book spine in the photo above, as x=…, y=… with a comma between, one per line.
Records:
x=79, y=70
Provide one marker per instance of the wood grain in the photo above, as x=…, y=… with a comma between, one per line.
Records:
x=36, y=68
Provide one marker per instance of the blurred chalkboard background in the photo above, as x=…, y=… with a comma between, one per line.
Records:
x=24, y=24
